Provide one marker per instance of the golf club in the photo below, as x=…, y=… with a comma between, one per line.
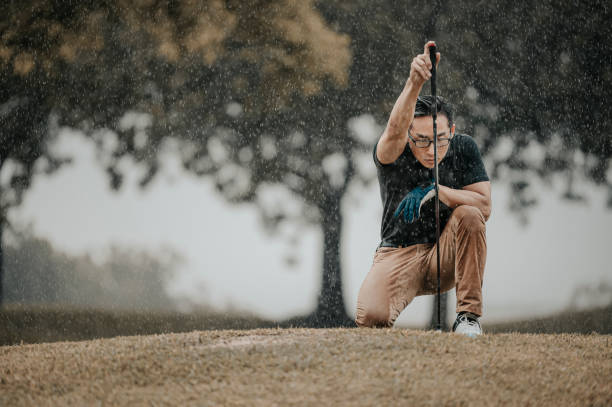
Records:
x=434, y=114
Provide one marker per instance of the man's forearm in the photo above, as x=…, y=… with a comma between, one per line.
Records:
x=403, y=112
x=455, y=197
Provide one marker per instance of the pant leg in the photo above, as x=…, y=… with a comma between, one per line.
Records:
x=391, y=284
x=463, y=253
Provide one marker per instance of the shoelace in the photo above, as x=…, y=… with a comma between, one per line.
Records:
x=470, y=321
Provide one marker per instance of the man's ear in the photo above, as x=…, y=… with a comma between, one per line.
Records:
x=452, y=130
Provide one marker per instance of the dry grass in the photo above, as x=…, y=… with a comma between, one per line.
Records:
x=267, y=367
x=30, y=324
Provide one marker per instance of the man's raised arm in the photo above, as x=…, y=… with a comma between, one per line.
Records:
x=394, y=138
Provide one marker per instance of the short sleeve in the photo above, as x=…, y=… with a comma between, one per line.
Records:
x=376, y=161
x=473, y=169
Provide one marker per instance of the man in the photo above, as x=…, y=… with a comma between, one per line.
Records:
x=404, y=265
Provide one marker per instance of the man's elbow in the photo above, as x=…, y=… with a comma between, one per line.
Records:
x=486, y=209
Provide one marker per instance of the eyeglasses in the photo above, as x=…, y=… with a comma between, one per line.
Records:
x=425, y=142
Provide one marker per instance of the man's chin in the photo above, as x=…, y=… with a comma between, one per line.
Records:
x=428, y=163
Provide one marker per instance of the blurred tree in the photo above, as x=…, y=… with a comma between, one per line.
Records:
x=36, y=273
x=201, y=72
x=260, y=93
x=27, y=129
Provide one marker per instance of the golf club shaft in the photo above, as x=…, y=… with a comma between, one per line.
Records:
x=434, y=115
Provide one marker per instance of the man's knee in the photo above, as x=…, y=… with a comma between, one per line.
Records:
x=369, y=317
x=469, y=217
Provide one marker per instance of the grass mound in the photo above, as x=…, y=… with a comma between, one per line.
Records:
x=30, y=324
x=265, y=367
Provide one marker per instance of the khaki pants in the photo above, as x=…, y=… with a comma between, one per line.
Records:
x=399, y=274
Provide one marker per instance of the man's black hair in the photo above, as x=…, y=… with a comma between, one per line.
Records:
x=424, y=106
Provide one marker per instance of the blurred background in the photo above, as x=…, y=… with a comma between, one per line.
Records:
x=214, y=158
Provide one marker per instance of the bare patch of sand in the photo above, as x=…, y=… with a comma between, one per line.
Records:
x=251, y=340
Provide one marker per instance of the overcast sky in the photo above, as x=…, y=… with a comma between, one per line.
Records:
x=530, y=270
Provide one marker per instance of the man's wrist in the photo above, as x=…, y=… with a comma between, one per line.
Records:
x=444, y=195
x=412, y=89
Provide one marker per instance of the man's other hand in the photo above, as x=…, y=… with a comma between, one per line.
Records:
x=413, y=201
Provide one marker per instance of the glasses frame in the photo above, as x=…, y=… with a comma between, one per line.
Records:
x=430, y=142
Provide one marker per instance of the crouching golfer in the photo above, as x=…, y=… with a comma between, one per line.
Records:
x=404, y=265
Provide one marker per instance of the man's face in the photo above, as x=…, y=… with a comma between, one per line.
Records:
x=421, y=131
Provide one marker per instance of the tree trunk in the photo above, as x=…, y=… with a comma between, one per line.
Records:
x=330, y=309
x=2, y=222
x=1, y=263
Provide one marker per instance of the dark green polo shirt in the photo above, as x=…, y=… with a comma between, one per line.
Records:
x=461, y=166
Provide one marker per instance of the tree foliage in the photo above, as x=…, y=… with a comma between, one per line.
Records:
x=87, y=64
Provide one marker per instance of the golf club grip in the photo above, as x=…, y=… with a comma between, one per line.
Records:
x=432, y=58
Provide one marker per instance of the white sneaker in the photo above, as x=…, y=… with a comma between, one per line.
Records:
x=467, y=324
